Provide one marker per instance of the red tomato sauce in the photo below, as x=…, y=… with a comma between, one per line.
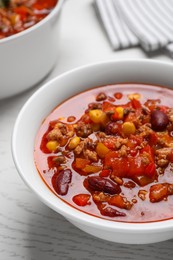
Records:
x=22, y=14
x=111, y=155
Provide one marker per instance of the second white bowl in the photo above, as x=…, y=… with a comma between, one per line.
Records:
x=27, y=57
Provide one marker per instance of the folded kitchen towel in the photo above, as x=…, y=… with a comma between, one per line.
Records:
x=128, y=23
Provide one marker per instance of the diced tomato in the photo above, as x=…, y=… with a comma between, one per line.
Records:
x=117, y=200
x=170, y=156
x=134, y=141
x=53, y=123
x=50, y=161
x=81, y=163
x=152, y=104
x=110, y=142
x=135, y=166
x=115, y=116
x=165, y=138
x=108, y=107
x=23, y=11
x=158, y=192
x=129, y=167
x=42, y=4
x=110, y=157
x=148, y=149
x=153, y=138
x=120, y=202
x=150, y=170
x=119, y=166
x=131, y=117
x=86, y=119
x=136, y=103
x=105, y=173
x=81, y=199
x=164, y=109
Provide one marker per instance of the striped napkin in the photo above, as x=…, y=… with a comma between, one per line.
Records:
x=128, y=23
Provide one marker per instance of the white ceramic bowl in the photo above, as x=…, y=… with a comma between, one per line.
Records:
x=40, y=105
x=27, y=57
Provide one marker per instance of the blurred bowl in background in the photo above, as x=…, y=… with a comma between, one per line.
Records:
x=28, y=56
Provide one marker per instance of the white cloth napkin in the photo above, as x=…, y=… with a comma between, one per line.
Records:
x=129, y=23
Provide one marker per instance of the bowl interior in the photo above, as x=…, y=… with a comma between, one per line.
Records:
x=61, y=88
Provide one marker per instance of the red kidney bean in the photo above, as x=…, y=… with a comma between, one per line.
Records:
x=159, y=120
x=110, y=212
x=62, y=181
x=98, y=183
x=112, y=128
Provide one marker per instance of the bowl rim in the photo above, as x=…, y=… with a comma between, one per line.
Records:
x=72, y=213
x=21, y=34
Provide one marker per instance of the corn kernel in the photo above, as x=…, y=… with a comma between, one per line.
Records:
x=120, y=111
x=101, y=150
x=74, y=142
x=134, y=96
x=92, y=169
x=97, y=116
x=128, y=128
x=105, y=119
x=14, y=18
x=52, y=146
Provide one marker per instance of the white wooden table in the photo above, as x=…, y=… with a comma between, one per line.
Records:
x=29, y=229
